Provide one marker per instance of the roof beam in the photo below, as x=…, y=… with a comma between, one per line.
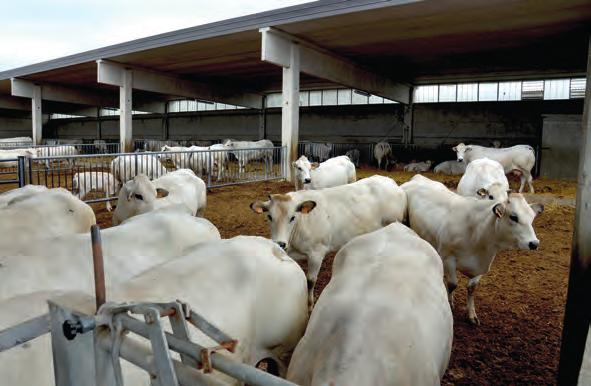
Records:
x=321, y=63
x=97, y=98
x=111, y=73
x=12, y=103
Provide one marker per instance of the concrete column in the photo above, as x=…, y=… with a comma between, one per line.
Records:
x=409, y=109
x=290, y=110
x=578, y=302
x=263, y=119
x=125, y=117
x=37, y=115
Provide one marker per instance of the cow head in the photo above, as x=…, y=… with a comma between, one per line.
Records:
x=461, y=151
x=302, y=169
x=136, y=196
x=282, y=212
x=496, y=191
x=514, y=223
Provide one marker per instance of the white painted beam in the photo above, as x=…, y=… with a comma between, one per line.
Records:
x=290, y=109
x=125, y=111
x=324, y=64
x=111, y=73
x=37, y=115
x=58, y=93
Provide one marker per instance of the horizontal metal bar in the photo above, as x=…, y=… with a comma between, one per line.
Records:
x=240, y=371
x=210, y=330
x=24, y=332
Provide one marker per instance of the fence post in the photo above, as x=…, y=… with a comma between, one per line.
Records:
x=30, y=171
x=136, y=168
x=209, y=169
x=21, y=171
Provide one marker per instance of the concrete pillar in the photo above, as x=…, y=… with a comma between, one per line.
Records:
x=125, y=117
x=290, y=110
x=37, y=115
x=263, y=119
x=577, y=315
x=409, y=110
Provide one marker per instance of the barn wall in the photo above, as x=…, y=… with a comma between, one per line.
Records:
x=561, y=141
x=437, y=126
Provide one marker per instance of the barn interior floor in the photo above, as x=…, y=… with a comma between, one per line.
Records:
x=520, y=302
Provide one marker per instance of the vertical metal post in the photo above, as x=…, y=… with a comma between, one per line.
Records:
x=290, y=109
x=577, y=314
x=21, y=171
x=209, y=169
x=37, y=115
x=125, y=109
x=99, y=268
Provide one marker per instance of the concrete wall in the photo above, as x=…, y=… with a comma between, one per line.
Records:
x=437, y=126
x=561, y=142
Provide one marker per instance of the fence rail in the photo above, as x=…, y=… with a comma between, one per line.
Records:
x=85, y=173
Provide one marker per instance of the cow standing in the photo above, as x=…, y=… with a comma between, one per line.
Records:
x=519, y=159
x=383, y=319
x=332, y=172
x=467, y=232
x=382, y=151
x=309, y=224
x=484, y=178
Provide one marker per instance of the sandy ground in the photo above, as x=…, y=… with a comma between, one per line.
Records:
x=520, y=302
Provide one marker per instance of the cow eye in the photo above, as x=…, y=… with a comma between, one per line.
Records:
x=269, y=217
x=292, y=218
x=491, y=198
x=138, y=196
x=514, y=218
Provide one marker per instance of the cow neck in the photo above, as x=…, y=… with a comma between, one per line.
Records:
x=487, y=229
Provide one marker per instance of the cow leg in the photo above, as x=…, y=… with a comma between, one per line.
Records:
x=449, y=267
x=472, y=283
x=379, y=163
x=314, y=263
x=529, y=182
x=522, y=178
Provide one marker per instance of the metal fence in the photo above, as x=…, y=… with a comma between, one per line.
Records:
x=321, y=151
x=87, y=349
x=103, y=174
x=12, y=171
x=157, y=144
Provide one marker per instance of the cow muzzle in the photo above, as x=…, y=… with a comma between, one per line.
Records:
x=307, y=180
x=533, y=245
x=460, y=160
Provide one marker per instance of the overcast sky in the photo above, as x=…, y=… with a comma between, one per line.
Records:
x=32, y=31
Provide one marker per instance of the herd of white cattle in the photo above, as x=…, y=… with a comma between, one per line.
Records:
x=383, y=319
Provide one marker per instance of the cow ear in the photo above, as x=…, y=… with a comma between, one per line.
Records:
x=482, y=192
x=315, y=165
x=468, y=148
x=161, y=193
x=538, y=208
x=293, y=164
x=499, y=210
x=259, y=207
x=306, y=207
x=455, y=148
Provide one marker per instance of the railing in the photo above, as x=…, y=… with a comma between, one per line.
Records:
x=68, y=149
x=86, y=173
x=87, y=348
x=321, y=151
x=157, y=144
x=12, y=171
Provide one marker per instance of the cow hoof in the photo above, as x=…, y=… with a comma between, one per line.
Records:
x=474, y=320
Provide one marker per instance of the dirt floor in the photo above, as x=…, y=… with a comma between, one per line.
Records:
x=520, y=301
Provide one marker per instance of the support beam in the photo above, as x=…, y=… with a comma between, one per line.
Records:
x=111, y=73
x=37, y=115
x=12, y=103
x=324, y=64
x=577, y=316
x=125, y=108
x=95, y=98
x=290, y=109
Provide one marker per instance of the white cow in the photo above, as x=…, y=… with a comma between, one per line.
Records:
x=180, y=187
x=28, y=217
x=262, y=150
x=9, y=158
x=311, y=223
x=484, y=178
x=353, y=155
x=383, y=319
x=195, y=158
x=22, y=193
x=59, y=150
x=317, y=151
x=518, y=159
x=124, y=166
x=220, y=158
x=382, y=151
x=418, y=167
x=264, y=308
x=332, y=172
x=467, y=232
x=65, y=262
x=452, y=168
x=85, y=182
x=100, y=145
